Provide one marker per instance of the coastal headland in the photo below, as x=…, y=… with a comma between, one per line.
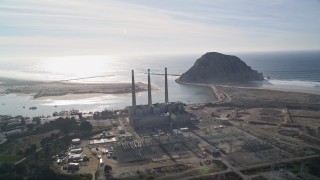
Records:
x=231, y=82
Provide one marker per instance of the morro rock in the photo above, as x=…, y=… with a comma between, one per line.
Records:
x=214, y=67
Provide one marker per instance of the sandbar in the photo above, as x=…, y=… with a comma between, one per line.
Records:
x=48, y=89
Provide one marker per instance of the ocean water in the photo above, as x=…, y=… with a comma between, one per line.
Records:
x=287, y=70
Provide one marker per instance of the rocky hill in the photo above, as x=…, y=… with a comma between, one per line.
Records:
x=214, y=67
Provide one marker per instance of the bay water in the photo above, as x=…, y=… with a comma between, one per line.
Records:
x=287, y=70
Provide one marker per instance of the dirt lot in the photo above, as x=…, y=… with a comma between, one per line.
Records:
x=88, y=167
x=270, y=115
x=264, y=97
x=305, y=113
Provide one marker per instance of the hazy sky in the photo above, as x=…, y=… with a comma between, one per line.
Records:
x=107, y=27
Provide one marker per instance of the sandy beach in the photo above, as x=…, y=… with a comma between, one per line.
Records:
x=249, y=96
x=291, y=90
x=272, y=96
x=46, y=89
x=72, y=96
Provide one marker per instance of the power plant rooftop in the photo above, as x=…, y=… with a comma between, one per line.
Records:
x=157, y=115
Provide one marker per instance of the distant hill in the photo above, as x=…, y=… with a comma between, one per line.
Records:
x=214, y=67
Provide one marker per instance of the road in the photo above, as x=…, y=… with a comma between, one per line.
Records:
x=100, y=175
x=25, y=158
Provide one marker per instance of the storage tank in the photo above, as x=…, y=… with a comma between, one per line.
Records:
x=76, y=141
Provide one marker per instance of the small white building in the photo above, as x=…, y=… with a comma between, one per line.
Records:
x=74, y=157
x=73, y=166
x=102, y=141
x=184, y=129
x=76, y=151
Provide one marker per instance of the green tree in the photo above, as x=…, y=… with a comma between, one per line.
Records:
x=106, y=114
x=23, y=121
x=37, y=120
x=19, y=152
x=85, y=126
x=66, y=125
x=30, y=126
x=44, y=141
x=96, y=116
x=31, y=149
x=107, y=169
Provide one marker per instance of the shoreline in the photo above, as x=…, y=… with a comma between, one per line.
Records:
x=247, y=86
x=75, y=96
x=39, y=89
x=264, y=97
x=56, y=89
x=314, y=92
x=233, y=95
x=304, y=91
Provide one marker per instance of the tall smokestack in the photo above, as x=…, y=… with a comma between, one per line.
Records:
x=149, y=89
x=133, y=90
x=166, y=86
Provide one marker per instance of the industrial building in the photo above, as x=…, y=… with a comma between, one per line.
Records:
x=167, y=115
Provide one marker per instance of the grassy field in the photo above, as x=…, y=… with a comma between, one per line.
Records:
x=9, y=158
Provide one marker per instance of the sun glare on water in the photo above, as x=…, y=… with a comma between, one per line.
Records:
x=77, y=66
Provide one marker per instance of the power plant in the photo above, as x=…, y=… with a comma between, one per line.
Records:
x=167, y=115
